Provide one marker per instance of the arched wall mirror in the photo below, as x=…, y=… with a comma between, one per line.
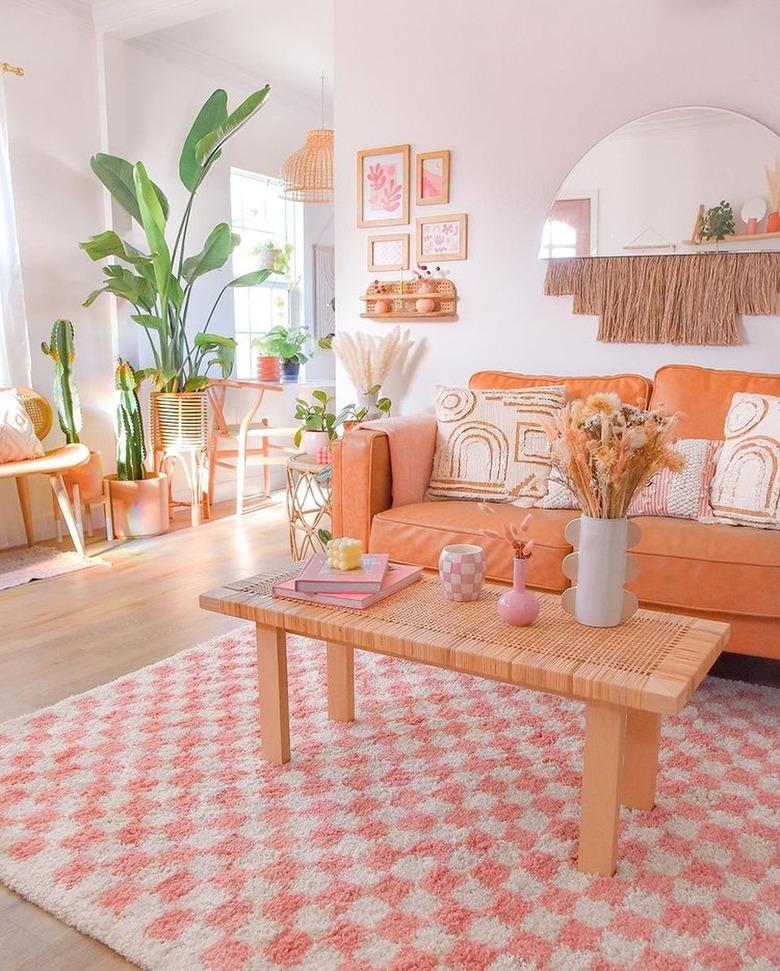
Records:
x=639, y=189
x=669, y=228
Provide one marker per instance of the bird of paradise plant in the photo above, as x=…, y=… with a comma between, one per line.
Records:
x=159, y=284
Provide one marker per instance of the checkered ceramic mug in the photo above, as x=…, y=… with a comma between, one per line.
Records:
x=462, y=571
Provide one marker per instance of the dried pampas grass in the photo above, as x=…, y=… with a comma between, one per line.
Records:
x=773, y=181
x=367, y=359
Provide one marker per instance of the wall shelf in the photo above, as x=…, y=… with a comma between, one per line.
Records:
x=401, y=296
x=745, y=238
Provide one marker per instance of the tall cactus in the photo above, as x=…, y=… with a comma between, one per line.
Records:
x=130, y=449
x=66, y=395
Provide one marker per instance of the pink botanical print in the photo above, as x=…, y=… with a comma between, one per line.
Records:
x=384, y=191
x=441, y=238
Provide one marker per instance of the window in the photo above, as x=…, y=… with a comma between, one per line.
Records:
x=260, y=215
x=567, y=230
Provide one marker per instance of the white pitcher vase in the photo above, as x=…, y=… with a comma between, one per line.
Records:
x=600, y=569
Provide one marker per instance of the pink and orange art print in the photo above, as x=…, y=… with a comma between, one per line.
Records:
x=433, y=178
x=442, y=238
x=383, y=186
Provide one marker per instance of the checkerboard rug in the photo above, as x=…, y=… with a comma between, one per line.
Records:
x=437, y=831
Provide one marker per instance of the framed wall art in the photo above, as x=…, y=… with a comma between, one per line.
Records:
x=383, y=186
x=442, y=238
x=388, y=252
x=433, y=178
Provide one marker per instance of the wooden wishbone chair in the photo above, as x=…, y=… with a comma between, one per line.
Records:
x=52, y=464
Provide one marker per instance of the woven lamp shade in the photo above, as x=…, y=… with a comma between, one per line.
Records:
x=308, y=173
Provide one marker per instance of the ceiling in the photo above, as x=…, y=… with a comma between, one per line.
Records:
x=288, y=44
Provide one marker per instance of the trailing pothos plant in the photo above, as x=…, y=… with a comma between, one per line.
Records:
x=159, y=284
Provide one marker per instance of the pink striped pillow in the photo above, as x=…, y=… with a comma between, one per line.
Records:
x=682, y=495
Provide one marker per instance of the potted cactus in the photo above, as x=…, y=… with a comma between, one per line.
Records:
x=139, y=499
x=88, y=477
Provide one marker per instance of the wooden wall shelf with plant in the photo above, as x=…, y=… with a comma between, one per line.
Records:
x=419, y=299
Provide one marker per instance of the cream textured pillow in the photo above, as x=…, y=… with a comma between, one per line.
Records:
x=491, y=444
x=18, y=440
x=680, y=495
x=746, y=487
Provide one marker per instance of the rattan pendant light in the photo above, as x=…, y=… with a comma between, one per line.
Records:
x=308, y=173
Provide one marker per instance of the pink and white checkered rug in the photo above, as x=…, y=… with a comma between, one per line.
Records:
x=437, y=831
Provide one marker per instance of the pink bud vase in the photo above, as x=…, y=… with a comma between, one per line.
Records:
x=517, y=606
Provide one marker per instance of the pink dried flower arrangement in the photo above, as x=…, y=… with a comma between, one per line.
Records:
x=606, y=451
x=521, y=548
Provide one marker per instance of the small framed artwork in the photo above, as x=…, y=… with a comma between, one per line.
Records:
x=383, y=186
x=442, y=238
x=433, y=178
x=388, y=252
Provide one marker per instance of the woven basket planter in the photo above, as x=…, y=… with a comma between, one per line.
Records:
x=179, y=421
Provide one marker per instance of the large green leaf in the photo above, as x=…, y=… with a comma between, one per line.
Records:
x=109, y=244
x=213, y=142
x=210, y=116
x=253, y=279
x=215, y=253
x=149, y=321
x=124, y=283
x=116, y=174
x=153, y=221
x=224, y=349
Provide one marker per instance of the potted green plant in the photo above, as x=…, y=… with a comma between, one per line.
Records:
x=139, y=499
x=88, y=477
x=289, y=344
x=269, y=367
x=159, y=284
x=718, y=222
x=318, y=425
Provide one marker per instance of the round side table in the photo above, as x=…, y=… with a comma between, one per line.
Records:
x=308, y=504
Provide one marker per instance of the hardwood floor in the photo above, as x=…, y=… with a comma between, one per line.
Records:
x=67, y=635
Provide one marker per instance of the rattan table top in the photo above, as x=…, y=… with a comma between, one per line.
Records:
x=654, y=661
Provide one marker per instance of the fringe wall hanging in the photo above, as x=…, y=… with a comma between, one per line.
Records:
x=681, y=299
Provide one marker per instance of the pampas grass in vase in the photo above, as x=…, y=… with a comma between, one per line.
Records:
x=773, y=181
x=368, y=359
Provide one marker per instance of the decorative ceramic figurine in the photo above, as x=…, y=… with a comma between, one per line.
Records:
x=515, y=606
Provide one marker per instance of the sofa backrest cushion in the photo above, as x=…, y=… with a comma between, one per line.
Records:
x=632, y=388
x=704, y=395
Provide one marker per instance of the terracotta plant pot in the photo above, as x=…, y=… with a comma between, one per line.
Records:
x=88, y=477
x=269, y=368
x=139, y=508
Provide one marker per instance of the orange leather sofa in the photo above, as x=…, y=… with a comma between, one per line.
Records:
x=728, y=573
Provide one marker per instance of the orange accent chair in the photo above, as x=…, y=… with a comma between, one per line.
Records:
x=52, y=464
x=726, y=573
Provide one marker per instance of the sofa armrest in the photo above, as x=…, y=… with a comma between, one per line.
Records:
x=362, y=482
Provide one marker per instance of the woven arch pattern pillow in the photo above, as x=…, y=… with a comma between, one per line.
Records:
x=680, y=495
x=491, y=444
x=18, y=440
x=746, y=486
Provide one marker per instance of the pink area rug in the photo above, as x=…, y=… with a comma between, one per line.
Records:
x=437, y=831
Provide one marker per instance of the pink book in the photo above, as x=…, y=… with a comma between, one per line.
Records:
x=317, y=576
x=396, y=578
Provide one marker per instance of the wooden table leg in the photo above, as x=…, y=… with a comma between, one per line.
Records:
x=640, y=772
x=605, y=732
x=272, y=678
x=341, y=682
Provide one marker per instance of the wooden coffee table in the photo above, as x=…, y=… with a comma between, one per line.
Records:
x=628, y=676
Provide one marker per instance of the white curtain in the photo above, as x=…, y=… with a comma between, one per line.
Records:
x=14, y=342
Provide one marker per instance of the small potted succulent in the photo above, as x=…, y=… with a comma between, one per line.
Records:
x=139, y=499
x=289, y=344
x=88, y=477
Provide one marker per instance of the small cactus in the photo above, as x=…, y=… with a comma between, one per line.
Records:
x=66, y=395
x=130, y=449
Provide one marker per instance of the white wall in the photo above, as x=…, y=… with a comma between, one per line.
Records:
x=519, y=91
x=53, y=124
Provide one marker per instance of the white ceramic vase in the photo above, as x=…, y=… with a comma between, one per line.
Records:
x=600, y=569
x=312, y=442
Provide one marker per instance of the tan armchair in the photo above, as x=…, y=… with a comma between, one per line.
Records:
x=52, y=464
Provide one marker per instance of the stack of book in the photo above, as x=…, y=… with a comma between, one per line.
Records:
x=374, y=580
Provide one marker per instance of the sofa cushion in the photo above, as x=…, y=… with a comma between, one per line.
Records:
x=417, y=533
x=703, y=395
x=632, y=388
x=708, y=567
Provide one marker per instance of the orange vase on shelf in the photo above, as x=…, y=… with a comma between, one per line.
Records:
x=773, y=222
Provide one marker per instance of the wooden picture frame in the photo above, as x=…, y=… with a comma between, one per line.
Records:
x=439, y=164
x=450, y=244
x=374, y=259
x=381, y=199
